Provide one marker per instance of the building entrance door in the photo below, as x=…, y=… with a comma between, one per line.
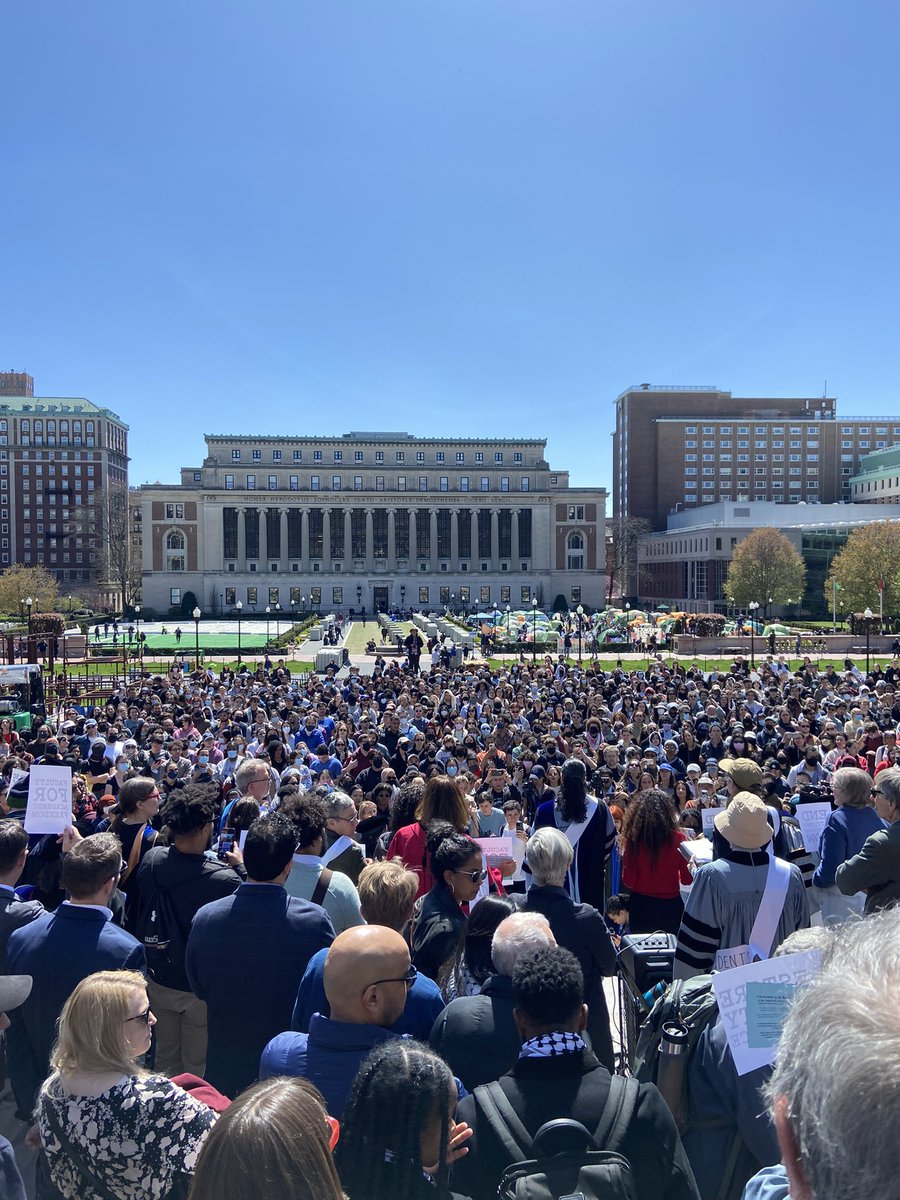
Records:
x=380, y=598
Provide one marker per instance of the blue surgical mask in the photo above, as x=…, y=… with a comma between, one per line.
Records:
x=203, y=758
x=451, y=770
x=232, y=753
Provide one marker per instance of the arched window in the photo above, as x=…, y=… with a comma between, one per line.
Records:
x=575, y=551
x=175, y=550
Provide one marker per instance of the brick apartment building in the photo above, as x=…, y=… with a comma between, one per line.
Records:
x=57, y=457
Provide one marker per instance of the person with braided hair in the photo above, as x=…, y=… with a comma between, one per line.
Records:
x=399, y=1134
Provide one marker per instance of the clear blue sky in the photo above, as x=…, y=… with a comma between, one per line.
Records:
x=445, y=216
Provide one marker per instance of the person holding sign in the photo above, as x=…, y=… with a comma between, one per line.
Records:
x=743, y=902
x=846, y=830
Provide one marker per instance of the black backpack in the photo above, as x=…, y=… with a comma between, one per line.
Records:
x=159, y=931
x=563, y=1161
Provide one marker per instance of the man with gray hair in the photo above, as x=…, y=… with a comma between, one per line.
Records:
x=477, y=1035
x=836, y=1082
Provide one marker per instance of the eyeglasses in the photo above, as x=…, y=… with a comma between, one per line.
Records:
x=409, y=979
x=351, y=820
x=876, y=792
x=142, y=1016
x=474, y=876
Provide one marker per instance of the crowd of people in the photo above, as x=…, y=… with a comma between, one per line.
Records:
x=346, y=935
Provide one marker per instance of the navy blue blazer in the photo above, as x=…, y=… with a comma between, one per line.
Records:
x=58, y=949
x=246, y=955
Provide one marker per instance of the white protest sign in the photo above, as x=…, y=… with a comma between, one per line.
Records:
x=752, y=1014
x=813, y=818
x=495, y=849
x=49, y=807
x=15, y=775
x=709, y=815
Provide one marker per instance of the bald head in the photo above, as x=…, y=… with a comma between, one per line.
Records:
x=364, y=976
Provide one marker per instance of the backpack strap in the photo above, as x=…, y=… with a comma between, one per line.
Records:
x=322, y=885
x=504, y=1121
x=617, y=1113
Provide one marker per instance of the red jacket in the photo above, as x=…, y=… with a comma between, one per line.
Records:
x=658, y=877
x=408, y=844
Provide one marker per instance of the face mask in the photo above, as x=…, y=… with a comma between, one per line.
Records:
x=285, y=729
x=193, y=744
x=203, y=758
x=451, y=770
x=232, y=753
x=122, y=768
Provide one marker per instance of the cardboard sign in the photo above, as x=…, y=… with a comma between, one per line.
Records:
x=753, y=1002
x=709, y=816
x=813, y=818
x=49, y=808
x=495, y=849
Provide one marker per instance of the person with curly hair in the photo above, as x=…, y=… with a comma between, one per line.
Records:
x=652, y=865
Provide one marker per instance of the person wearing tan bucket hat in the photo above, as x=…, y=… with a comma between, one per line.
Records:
x=743, y=903
x=14, y=990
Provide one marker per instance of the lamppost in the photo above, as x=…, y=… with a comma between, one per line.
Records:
x=196, y=614
x=28, y=604
x=752, y=606
x=534, y=613
x=302, y=606
x=293, y=603
x=868, y=614
x=268, y=611
x=239, y=606
x=580, y=614
x=137, y=623
x=507, y=626
x=771, y=602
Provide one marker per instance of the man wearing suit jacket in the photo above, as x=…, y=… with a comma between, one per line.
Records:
x=246, y=955
x=59, y=950
x=14, y=913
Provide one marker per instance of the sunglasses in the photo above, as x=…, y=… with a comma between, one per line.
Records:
x=142, y=1016
x=409, y=978
x=474, y=876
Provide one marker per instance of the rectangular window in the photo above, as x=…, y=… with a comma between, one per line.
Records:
x=423, y=595
x=357, y=483
x=423, y=483
x=498, y=456
x=276, y=456
x=479, y=456
x=335, y=483
x=463, y=483
x=338, y=455
x=485, y=483
x=298, y=456
x=236, y=456
x=420, y=456
x=445, y=483
x=460, y=456
x=379, y=483
x=314, y=483
x=439, y=457
x=401, y=483
x=273, y=483
x=294, y=481
x=174, y=596
x=486, y=593
x=399, y=456
x=525, y=484
x=504, y=483
x=251, y=483
x=337, y=595
x=379, y=456
x=317, y=455
x=357, y=456
x=229, y=483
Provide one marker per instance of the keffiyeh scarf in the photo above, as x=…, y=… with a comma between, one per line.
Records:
x=552, y=1045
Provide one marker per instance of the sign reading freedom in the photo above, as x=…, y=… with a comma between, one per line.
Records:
x=49, y=808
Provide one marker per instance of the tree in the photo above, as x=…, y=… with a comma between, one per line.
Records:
x=871, y=556
x=765, y=566
x=18, y=582
x=622, y=572
x=117, y=560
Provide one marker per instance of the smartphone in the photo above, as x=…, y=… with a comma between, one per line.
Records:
x=226, y=845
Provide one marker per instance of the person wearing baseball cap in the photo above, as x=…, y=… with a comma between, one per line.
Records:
x=14, y=990
x=744, y=902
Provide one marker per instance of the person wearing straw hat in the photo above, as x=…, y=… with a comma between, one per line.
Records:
x=745, y=901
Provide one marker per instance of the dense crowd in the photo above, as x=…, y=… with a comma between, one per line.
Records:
x=347, y=935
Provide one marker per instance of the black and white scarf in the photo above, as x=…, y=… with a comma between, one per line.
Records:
x=552, y=1045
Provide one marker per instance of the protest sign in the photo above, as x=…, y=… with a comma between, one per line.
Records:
x=49, y=808
x=709, y=816
x=495, y=849
x=753, y=1002
x=813, y=818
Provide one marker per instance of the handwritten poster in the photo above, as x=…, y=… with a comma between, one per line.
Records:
x=495, y=849
x=49, y=808
x=813, y=818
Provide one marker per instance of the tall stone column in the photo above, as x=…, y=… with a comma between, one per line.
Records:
x=283, y=548
x=433, y=512
x=516, y=552
x=304, y=539
x=454, y=539
x=326, y=537
x=263, y=538
x=348, y=537
x=370, y=541
x=413, y=541
x=495, y=541
x=242, y=539
x=392, y=540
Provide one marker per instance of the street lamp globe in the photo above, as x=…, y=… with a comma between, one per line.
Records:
x=239, y=605
x=196, y=614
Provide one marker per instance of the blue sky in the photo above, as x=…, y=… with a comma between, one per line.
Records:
x=445, y=216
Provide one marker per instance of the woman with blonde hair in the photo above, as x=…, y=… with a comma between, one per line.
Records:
x=109, y=1127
